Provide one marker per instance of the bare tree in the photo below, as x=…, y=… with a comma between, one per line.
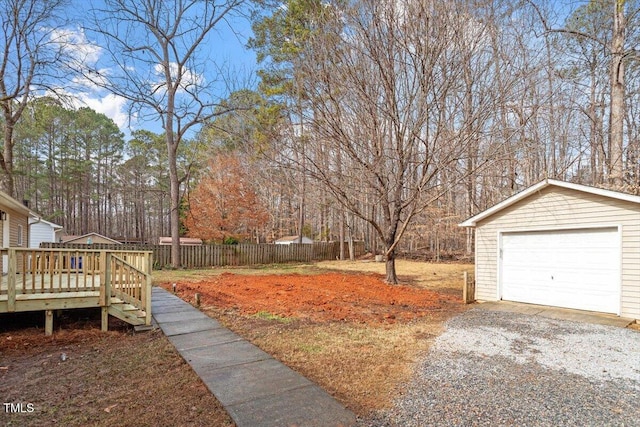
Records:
x=158, y=65
x=378, y=77
x=618, y=53
x=617, y=101
x=32, y=56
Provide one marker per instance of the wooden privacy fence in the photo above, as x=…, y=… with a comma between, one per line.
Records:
x=229, y=255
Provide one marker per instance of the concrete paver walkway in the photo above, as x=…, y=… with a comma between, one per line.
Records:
x=254, y=388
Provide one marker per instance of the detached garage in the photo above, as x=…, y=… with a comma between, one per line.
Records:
x=561, y=244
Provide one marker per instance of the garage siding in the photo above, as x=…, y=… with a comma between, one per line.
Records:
x=557, y=207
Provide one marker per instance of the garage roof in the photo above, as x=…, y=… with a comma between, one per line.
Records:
x=471, y=222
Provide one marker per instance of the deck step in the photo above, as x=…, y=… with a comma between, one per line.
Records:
x=127, y=307
x=134, y=317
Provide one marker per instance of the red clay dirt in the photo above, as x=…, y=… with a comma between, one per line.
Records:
x=360, y=298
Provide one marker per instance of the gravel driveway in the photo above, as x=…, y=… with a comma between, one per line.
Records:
x=496, y=368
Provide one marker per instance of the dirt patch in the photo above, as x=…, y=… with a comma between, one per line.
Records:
x=359, y=298
x=349, y=332
x=81, y=376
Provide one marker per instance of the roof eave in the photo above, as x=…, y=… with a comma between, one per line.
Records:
x=473, y=221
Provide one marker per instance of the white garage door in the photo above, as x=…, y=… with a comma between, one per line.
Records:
x=569, y=268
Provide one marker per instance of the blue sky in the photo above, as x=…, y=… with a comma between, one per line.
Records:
x=226, y=45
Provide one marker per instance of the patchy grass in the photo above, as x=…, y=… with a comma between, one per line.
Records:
x=426, y=274
x=122, y=378
x=360, y=365
x=345, y=330
x=265, y=315
x=105, y=379
x=193, y=276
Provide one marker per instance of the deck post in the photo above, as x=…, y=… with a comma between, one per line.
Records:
x=11, y=282
x=48, y=322
x=105, y=289
x=105, y=319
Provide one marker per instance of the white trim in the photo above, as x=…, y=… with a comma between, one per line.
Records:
x=617, y=227
x=561, y=228
x=471, y=222
x=6, y=242
x=35, y=220
x=499, y=266
x=475, y=266
x=89, y=235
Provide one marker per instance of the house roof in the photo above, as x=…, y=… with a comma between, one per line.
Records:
x=183, y=241
x=291, y=238
x=471, y=222
x=67, y=239
x=35, y=218
x=12, y=203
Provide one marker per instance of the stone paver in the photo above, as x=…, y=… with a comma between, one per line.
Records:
x=204, y=338
x=255, y=389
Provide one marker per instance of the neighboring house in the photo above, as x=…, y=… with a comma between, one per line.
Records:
x=561, y=244
x=14, y=217
x=184, y=241
x=287, y=240
x=89, y=238
x=41, y=231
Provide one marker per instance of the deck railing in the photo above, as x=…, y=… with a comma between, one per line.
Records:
x=73, y=272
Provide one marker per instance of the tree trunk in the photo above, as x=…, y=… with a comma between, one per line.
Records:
x=175, y=203
x=390, y=268
x=616, y=121
x=342, y=234
x=7, y=159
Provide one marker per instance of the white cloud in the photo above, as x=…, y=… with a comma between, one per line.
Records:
x=74, y=43
x=110, y=105
x=188, y=78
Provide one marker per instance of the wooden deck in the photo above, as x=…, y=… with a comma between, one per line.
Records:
x=54, y=279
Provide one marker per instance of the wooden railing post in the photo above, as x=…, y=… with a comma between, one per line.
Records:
x=11, y=281
x=105, y=289
x=147, y=290
x=105, y=279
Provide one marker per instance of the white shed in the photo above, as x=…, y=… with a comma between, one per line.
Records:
x=287, y=240
x=42, y=231
x=561, y=244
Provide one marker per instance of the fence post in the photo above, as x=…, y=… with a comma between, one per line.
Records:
x=468, y=290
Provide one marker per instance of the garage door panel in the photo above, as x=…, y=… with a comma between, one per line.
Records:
x=574, y=269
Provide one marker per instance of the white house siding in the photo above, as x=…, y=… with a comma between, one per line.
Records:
x=41, y=232
x=557, y=208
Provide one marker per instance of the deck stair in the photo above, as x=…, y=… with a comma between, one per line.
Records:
x=127, y=312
